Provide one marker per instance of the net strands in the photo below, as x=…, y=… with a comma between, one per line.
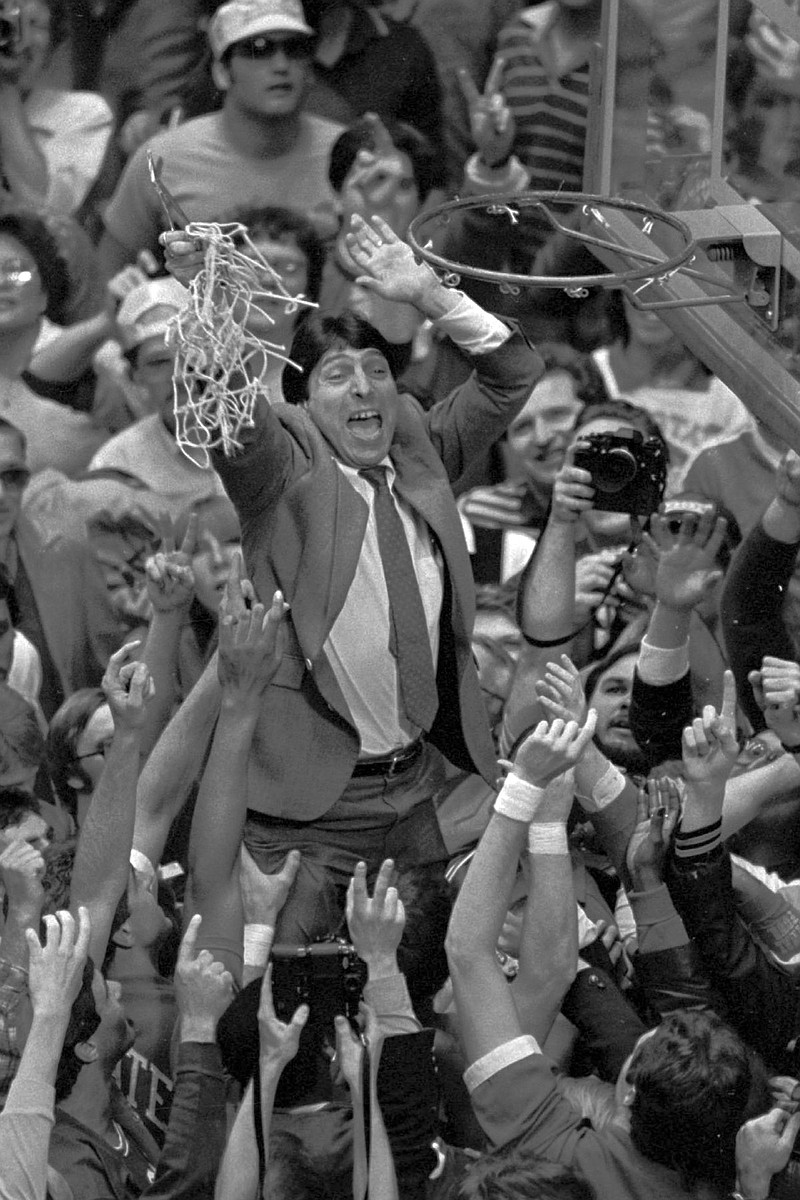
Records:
x=220, y=369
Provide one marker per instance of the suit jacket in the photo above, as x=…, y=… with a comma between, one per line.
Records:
x=302, y=528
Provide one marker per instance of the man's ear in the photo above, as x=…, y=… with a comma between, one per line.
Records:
x=123, y=937
x=221, y=75
x=86, y=1052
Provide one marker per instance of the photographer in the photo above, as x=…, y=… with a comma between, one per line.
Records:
x=571, y=597
x=52, y=141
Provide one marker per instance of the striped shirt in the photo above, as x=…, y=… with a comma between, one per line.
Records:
x=550, y=113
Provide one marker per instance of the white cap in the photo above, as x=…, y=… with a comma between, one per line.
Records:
x=239, y=19
x=147, y=309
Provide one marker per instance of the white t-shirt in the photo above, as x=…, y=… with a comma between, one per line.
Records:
x=148, y=451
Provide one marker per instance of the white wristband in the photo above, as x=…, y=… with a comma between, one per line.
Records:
x=518, y=799
x=548, y=837
x=257, y=944
x=608, y=787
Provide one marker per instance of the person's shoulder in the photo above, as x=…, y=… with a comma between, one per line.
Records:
x=57, y=108
x=183, y=138
x=320, y=130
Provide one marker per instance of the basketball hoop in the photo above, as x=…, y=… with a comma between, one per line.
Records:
x=594, y=228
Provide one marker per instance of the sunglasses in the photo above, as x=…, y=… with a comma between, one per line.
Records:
x=15, y=477
x=267, y=47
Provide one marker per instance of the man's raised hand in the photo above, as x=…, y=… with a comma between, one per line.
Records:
x=710, y=747
x=251, y=648
x=387, y=263
x=375, y=922
x=128, y=688
x=21, y=872
x=573, y=493
x=553, y=748
x=561, y=691
x=279, y=1042
x=490, y=120
x=657, y=815
x=776, y=688
x=170, y=580
x=264, y=895
x=203, y=987
x=55, y=969
x=687, y=559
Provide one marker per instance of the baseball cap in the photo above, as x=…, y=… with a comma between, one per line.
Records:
x=147, y=309
x=240, y=19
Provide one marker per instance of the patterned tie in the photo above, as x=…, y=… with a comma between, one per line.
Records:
x=410, y=643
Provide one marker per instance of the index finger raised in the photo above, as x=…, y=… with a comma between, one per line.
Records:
x=492, y=84
x=381, y=138
x=468, y=87
x=189, y=939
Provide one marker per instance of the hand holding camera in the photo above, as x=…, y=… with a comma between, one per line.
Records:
x=628, y=472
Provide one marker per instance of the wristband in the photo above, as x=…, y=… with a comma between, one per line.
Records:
x=547, y=837
x=518, y=799
x=604, y=791
x=257, y=944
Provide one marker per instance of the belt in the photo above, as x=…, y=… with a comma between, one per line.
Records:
x=390, y=764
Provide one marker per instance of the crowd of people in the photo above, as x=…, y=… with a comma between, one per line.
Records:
x=399, y=776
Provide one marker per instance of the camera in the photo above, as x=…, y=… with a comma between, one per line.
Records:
x=11, y=36
x=327, y=976
x=628, y=473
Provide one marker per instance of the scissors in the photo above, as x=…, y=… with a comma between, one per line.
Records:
x=174, y=213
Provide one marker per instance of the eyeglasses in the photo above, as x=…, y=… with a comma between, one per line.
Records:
x=15, y=477
x=12, y=271
x=102, y=750
x=260, y=46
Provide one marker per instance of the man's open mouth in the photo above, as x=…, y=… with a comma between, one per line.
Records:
x=366, y=425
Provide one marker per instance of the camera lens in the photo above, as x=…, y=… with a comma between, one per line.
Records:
x=615, y=470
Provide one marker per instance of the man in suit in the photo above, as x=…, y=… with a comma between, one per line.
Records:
x=377, y=686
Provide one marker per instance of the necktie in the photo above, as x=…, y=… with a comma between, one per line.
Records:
x=410, y=643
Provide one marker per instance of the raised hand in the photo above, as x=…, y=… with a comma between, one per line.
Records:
x=710, y=747
x=251, y=648
x=128, y=688
x=375, y=922
x=184, y=257
x=375, y=182
x=561, y=691
x=263, y=895
x=22, y=869
x=776, y=688
x=490, y=120
x=203, y=988
x=55, y=969
x=788, y=485
x=657, y=815
x=573, y=493
x=498, y=506
x=239, y=595
x=170, y=581
x=553, y=748
x=279, y=1042
x=387, y=264
x=687, y=569
x=763, y=1147
x=594, y=574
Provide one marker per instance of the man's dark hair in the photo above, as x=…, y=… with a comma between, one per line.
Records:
x=696, y=1085
x=15, y=805
x=83, y=1022
x=316, y=335
x=61, y=745
x=32, y=233
x=276, y=223
x=627, y=414
x=590, y=387
x=291, y=1172
x=428, y=903
x=515, y=1173
x=427, y=162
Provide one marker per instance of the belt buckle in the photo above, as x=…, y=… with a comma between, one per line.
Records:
x=394, y=769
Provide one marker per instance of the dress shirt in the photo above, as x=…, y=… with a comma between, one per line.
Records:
x=358, y=643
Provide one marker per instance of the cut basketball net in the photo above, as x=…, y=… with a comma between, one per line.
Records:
x=220, y=371
x=221, y=368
